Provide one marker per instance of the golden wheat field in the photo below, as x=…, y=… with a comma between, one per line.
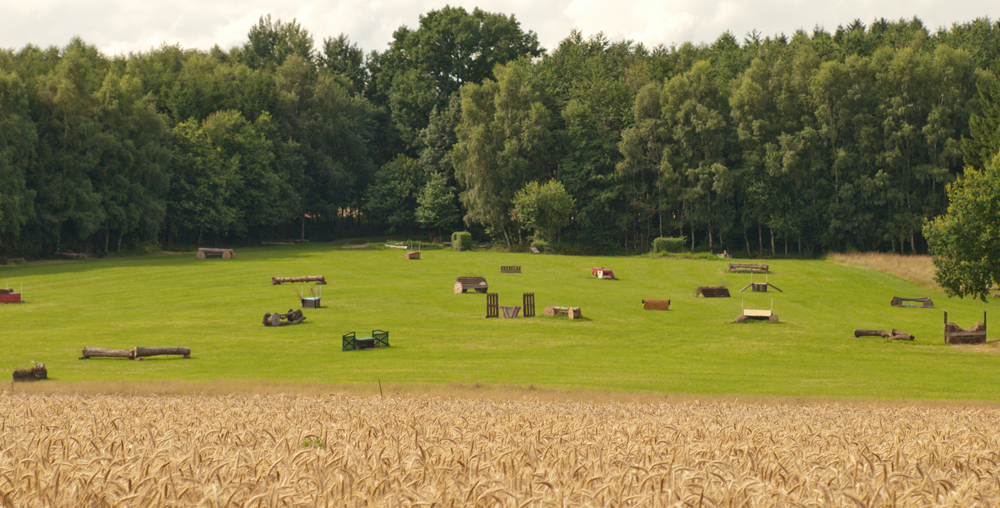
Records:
x=262, y=450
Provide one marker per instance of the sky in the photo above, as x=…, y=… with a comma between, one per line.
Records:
x=123, y=26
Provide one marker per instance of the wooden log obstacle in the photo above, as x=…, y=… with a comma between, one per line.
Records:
x=759, y=314
x=603, y=273
x=318, y=279
x=36, y=373
x=492, y=305
x=888, y=335
x=975, y=334
x=379, y=339
x=570, y=312
x=712, y=292
x=528, y=304
x=748, y=267
x=413, y=254
x=757, y=287
x=478, y=284
x=292, y=317
x=136, y=353
x=655, y=304
x=925, y=302
x=510, y=269
x=204, y=253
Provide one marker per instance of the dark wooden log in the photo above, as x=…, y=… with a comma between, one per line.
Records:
x=141, y=352
x=318, y=279
x=655, y=304
x=901, y=335
x=871, y=333
x=100, y=352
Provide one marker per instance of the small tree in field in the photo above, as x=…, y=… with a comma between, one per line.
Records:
x=436, y=204
x=966, y=240
x=543, y=209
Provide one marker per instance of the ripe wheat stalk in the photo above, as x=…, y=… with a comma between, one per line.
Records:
x=248, y=451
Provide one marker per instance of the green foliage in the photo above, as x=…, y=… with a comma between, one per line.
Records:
x=543, y=209
x=461, y=240
x=540, y=244
x=668, y=244
x=312, y=441
x=436, y=204
x=966, y=240
x=270, y=43
x=393, y=196
x=983, y=142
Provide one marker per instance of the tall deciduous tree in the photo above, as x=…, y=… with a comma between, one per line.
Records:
x=436, y=204
x=544, y=209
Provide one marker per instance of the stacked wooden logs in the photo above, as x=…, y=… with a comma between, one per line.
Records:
x=204, y=252
x=292, y=317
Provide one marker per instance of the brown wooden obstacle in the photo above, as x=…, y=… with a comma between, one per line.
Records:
x=712, y=291
x=510, y=269
x=7, y=295
x=136, y=353
x=413, y=254
x=528, y=303
x=510, y=312
x=758, y=287
x=655, y=304
x=748, y=267
x=205, y=252
x=318, y=279
x=492, y=305
x=36, y=373
x=925, y=302
x=570, y=312
x=292, y=317
x=893, y=335
x=975, y=334
x=463, y=284
x=767, y=314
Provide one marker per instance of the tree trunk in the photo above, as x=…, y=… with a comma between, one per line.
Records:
x=107, y=239
x=871, y=333
x=709, y=236
x=913, y=244
x=772, y=242
x=155, y=351
x=746, y=239
x=121, y=233
x=692, y=238
x=200, y=231
x=302, y=236
x=760, y=241
x=100, y=352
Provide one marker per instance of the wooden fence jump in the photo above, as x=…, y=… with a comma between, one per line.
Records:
x=379, y=339
x=748, y=267
x=655, y=304
x=204, y=252
x=478, y=284
x=136, y=353
x=975, y=334
x=925, y=302
x=712, y=291
x=570, y=312
x=510, y=269
x=510, y=312
x=528, y=304
x=318, y=279
x=492, y=305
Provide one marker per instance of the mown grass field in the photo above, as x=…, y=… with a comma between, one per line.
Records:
x=215, y=307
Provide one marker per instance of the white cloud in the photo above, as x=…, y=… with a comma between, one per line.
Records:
x=117, y=26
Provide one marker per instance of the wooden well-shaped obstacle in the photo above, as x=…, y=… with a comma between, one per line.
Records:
x=975, y=334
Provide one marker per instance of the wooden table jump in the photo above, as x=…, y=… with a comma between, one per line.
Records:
x=748, y=267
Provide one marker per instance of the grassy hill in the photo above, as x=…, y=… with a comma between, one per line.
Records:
x=215, y=307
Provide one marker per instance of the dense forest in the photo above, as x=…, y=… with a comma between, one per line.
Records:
x=770, y=145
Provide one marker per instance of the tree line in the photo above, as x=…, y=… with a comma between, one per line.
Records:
x=768, y=145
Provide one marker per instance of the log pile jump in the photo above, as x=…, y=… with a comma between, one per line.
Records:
x=712, y=292
x=292, y=317
x=136, y=353
x=888, y=335
x=655, y=304
x=925, y=302
x=510, y=269
x=205, y=252
x=36, y=373
x=318, y=279
x=570, y=312
x=748, y=267
x=954, y=334
x=478, y=284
